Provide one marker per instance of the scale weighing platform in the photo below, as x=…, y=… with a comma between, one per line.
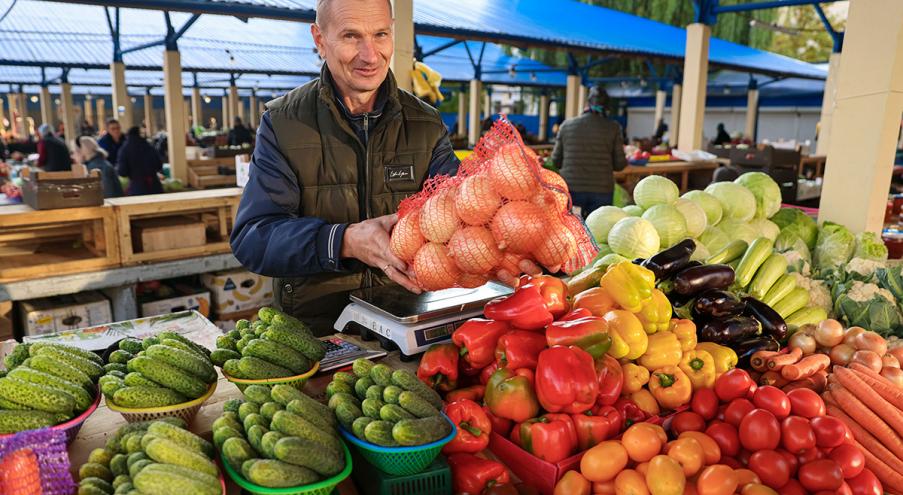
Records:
x=413, y=322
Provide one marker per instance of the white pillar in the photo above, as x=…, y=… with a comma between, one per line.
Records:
x=660, y=98
x=225, y=123
x=571, y=96
x=827, y=105
x=252, y=110
x=89, y=110
x=866, y=118
x=149, y=114
x=581, y=98
x=186, y=113
x=752, y=114
x=473, y=125
x=196, y=112
x=240, y=106
x=175, y=121
x=462, y=113
x=11, y=103
x=403, y=57
x=22, y=121
x=233, y=105
x=487, y=104
x=676, y=95
x=2, y=113
x=122, y=105
x=543, y=117
x=696, y=67
x=101, y=106
x=69, y=126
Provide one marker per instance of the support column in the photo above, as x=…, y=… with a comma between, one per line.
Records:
x=233, y=105
x=752, y=114
x=696, y=67
x=22, y=121
x=196, y=114
x=101, y=105
x=403, y=58
x=13, y=112
x=866, y=117
x=89, y=111
x=149, y=114
x=571, y=96
x=543, y=117
x=2, y=114
x=581, y=98
x=186, y=113
x=240, y=105
x=252, y=110
x=674, y=128
x=660, y=98
x=122, y=105
x=487, y=103
x=473, y=125
x=225, y=123
x=175, y=121
x=827, y=105
x=69, y=126
x=462, y=113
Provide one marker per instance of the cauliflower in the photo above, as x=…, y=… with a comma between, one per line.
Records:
x=819, y=295
x=864, y=267
x=863, y=292
x=796, y=262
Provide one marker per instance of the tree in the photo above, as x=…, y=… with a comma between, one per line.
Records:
x=810, y=41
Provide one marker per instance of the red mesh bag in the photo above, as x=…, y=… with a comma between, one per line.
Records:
x=500, y=208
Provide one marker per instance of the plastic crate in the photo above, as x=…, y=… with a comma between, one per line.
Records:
x=434, y=480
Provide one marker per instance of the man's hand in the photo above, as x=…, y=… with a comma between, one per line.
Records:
x=368, y=241
x=526, y=266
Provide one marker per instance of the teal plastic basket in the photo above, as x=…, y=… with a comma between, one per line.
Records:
x=324, y=487
x=400, y=461
x=436, y=479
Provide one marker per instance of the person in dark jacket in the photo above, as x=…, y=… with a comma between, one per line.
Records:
x=239, y=134
x=139, y=162
x=588, y=150
x=722, y=137
x=53, y=154
x=95, y=158
x=112, y=140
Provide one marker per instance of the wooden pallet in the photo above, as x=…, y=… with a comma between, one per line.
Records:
x=203, y=174
x=216, y=208
x=36, y=244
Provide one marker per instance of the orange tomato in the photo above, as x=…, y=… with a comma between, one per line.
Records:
x=717, y=480
x=688, y=452
x=604, y=488
x=690, y=489
x=572, y=483
x=630, y=482
x=646, y=402
x=745, y=477
x=604, y=461
x=757, y=489
x=642, y=468
x=665, y=476
x=642, y=442
x=709, y=446
x=658, y=430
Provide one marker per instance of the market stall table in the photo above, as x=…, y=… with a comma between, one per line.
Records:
x=633, y=173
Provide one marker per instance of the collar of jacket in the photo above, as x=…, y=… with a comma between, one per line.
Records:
x=387, y=101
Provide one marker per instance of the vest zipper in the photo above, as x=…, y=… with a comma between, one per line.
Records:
x=368, y=273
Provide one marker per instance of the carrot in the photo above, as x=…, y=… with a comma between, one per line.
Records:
x=759, y=359
x=773, y=378
x=850, y=381
x=883, y=386
x=806, y=367
x=889, y=478
x=869, y=420
x=779, y=361
x=867, y=439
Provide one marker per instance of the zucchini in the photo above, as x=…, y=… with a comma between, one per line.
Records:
x=774, y=267
x=781, y=288
x=759, y=250
x=810, y=315
x=728, y=253
x=796, y=300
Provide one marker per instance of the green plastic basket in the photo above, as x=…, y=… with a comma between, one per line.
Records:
x=400, y=461
x=434, y=480
x=324, y=487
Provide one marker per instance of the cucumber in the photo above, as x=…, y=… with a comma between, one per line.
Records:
x=310, y=347
x=160, y=479
x=296, y=426
x=258, y=394
x=121, y=479
x=91, y=368
x=232, y=405
x=75, y=351
x=247, y=409
x=220, y=356
x=380, y=433
x=265, y=314
x=113, y=441
x=409, y=381
x=255, y=437
x=127, y=437
x=36, y=396
x=229, y=419
x=358, y=426
x=759, y=250
x=361, y=368
x=728, y=253
x=346, y=412
x=230, y=368
x=325, y=421
x=82, y=398
x=120, y=357
x=133, y=444
x=101, y=455
x=201, y=350
x=767, y=275
x=186, y=361
x=118, y=464
x=394, y=413
x=110, y=384
x=277, y=474
x=343, y=397
x=257, y=369
x=135, y=379
x=90, y=490
x=236, y=451
x=224, y=433
x=143, y=397
x=138, y=466
x=242, y=342
x=168, y=452
x=133, y=458
x=242, y=324
x=268, y=443
x=282, y=319
x=169, y=376
x=342, y=376
x=12, y=406
x=796, y=300
x=286, y=394
x=17, y=356
x=95, y=470
x=95, y=482
x=336, y=387
x=57, y=368
x=115, y=367
x=269, y=409
x=781, y=288
x=182, y=437
x=374, y=392
x=14, y=421
x=126, y=489
x=255, y=419
x=381, y=374
x=115, y=373
x=416, y=405
x=177, y=344
x=361, y=386
x=391, y=394
x=152, y=340
x=371, y=407
x=421, y=431
x=278, y=354
x=131, y=345
x=233, y=334
x=303, y=452
x=224, y=342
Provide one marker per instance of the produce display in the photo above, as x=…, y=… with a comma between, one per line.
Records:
x=46, y=384
x=154, y=458
x=279, y=437
x=275, y=346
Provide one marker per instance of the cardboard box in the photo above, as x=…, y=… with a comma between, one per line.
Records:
x=227, y=321
x=6, y=320
x=199, y=302
x=237, y=290
x=68, y=312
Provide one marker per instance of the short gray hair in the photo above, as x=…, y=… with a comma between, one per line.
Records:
x=323, y=6
x=89, y=147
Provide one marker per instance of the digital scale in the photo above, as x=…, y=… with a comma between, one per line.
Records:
x=413, y=322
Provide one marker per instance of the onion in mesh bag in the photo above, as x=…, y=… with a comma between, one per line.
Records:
x=512, y=172
x=474, y=250
x=551, y=200
x=434, y=268
x=477, y=201
x=406, y=237
x=558, y=245
x=438, y=220
x=518, y=226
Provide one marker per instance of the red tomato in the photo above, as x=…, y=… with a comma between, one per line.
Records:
x=737, y=410
x=793, y=487
x=810, y=455
x=823, y=474
x=725, y=436
x=844, y=489
x=771, y=467
x=752, y=390
x=733, y=384
x=772, y=399
x=743, y=456
x=865, y=484
x=850, y=458
x=829, y=432
x=796, y=434
x=720, y=415
x=687, y=421
x=759, y=430
x=806, y=403
x=705, y=403
x=791, y=460
x=848, y=436
x=730, y=461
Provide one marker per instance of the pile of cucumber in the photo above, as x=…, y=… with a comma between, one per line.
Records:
x=151, y=458
x=275, y=346
x=279, y=437
x=46, y=384
x=161, y=370
x=386, y=407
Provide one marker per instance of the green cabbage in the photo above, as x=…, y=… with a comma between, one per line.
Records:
x=693, y=214
x=714, y=238
x=834, y=247
x=633, y=210
x=701, y=253
x=765, y=190
x=736, y=229
x=793, y=220
x=655, y=190
x=608, y=260
x=634, y=237
x=765, y=228
x=788, y=241
x=600, y=221
x=668, y=222
x=621, y=197
x=709, y=204
x=870, y=246
x=736, y=201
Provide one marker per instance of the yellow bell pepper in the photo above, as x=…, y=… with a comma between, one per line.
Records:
x=656, y=312
x=629, y=285
x=646, y=402
x=686, y=333
x=725, y=357
x=663, y=350
x=635, y=377
x=700, y=369
x=628, y=339
x=670, y=387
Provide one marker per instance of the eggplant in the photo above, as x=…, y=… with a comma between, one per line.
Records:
x=696, y=279
x=747, y=348
x=772, y=322
x=717, y=303
x=671, y=260
x=728, y=330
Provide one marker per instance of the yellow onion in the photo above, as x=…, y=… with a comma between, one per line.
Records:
x=434, y=269
x=406, y=237
x=477, y=201
x=471, y=280
x=438, y=220
x=557, y=246
x=510, y=263
x=513, y=172
x=474, y=250
x=518, y=226
x=552, y=200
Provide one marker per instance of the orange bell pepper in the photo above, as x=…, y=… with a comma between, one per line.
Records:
x=686, y=333
x=635, y=377
x=671, y=387
x=597, y=300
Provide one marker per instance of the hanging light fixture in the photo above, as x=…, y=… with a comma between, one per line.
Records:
x=34, y=98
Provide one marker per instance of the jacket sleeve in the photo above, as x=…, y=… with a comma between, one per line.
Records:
x=271, y=237
x=444, y=161
x=557, y=151
x=618, y=159
x=122, y=163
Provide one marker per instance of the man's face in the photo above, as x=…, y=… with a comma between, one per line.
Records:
x=114, y=130
x=356, y=40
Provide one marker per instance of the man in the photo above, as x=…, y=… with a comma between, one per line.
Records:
x=112, y=140
x=588, y=150
x=239, y=134
x=53, y=154
x=332, y=161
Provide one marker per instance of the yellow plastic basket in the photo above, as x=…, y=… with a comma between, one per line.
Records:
x=296, y=381
x=184, y=411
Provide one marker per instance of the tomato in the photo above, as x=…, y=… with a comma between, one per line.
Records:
x=829, y=431
x=720, y=415
x=791, y=460
x=757, y=489
x=850, y=458
x=866, y=483
x=810, y=455
x=725, y=436
x=641, y=442
x=743, y=456
x=797, y=435
x=732, y=462
x=604, y=488
x=717, y=480
x=632, y=482
x=709, y=446
x=760, y=430
x=823, y=474
x=572, y=483
x=733, y=384
x=704, y=403
x=771, y=467
x=665, y=476
x=604, y=461
x=642, y=468
x=752, y=390
x=793, y=487
x=687, y=421
x=745, y=477
x=688, y=452
x=844, y=489
x=772, y=399
x=806, y=403
x=737, y=410
x=848, y=436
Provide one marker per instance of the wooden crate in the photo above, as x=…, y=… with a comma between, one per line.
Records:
x=215, y=208
x=164, y=233
x=36, y=244
x=203, y=174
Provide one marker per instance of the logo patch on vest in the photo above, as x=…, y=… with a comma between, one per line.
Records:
x=399, y=173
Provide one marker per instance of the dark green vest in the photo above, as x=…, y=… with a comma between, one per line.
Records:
x=342, y=181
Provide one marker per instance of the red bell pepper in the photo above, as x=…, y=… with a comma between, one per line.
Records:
x=564, y=418
x=439, y=367
x=502, y=426
x=589, y=333
x=610, y=377
x=525, y=309
x=566, y=380
x=473, y=425
x=553, y=290
x=472, y=474
x=576, y=314
x=510, y=395
x=592, y=429
x=487, y=372
x=477, y=339
x=519, y=349
x=550, y=439
x=473, y=392
x=630, y=412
